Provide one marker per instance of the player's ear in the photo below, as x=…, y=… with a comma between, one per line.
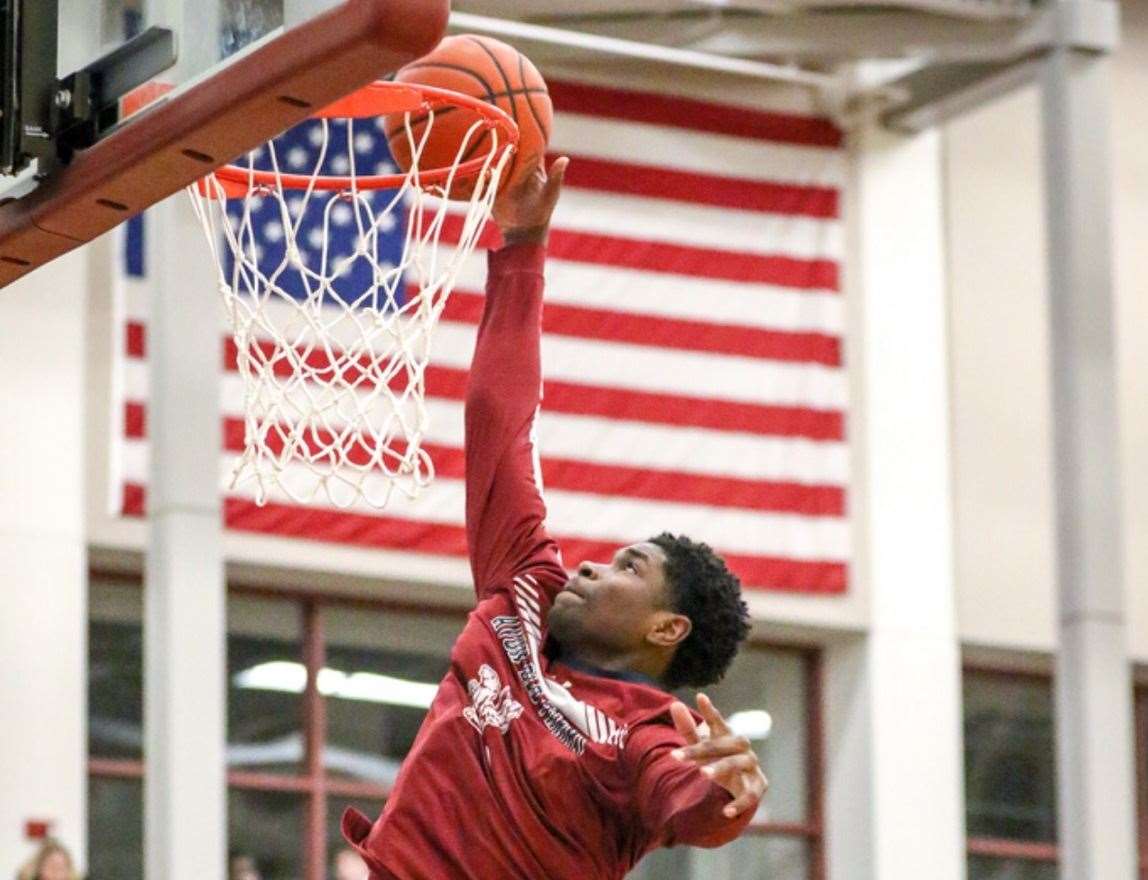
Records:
x=669, y=629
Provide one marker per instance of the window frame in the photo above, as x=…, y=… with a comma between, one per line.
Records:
x=319, y=789
x=1003, y=847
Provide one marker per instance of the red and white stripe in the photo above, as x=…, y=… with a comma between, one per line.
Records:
x=694, y=377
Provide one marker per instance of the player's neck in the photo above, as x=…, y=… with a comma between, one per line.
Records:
x=641, y=663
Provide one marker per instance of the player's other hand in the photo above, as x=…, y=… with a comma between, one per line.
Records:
x=724, y=757
x=523, y=210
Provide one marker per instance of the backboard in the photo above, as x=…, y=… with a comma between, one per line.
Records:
x=244, y=71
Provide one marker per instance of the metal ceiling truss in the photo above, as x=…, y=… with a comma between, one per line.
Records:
x=914, y=65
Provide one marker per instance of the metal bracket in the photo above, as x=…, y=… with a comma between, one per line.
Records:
x=86, y=103
x=942, y=92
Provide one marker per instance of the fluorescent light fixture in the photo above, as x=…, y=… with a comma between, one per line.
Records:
x=288, y=677
x=752, y=724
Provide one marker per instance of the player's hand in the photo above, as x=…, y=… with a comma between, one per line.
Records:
x=523, y=210
x=724, y=757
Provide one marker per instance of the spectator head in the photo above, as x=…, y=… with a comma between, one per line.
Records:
x=242, y=867
x=51, y=862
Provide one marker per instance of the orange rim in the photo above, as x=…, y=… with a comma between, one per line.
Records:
x=377, y=99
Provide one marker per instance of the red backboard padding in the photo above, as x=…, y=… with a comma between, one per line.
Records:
x=183, y=137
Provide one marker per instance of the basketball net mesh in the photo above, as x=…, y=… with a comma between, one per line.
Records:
x=334, y=379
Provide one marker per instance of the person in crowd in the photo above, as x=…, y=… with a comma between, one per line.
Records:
x=242, y=867
x=52, y=861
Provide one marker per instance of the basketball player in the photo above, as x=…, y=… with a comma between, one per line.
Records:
x=553, y=750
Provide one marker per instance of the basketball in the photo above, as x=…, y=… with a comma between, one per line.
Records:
x=482, y=68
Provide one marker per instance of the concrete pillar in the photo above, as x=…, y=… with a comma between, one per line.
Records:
x=1093, y=685
x=895, y=763
x=43, y=555
x=185, y=648
x=185, y=826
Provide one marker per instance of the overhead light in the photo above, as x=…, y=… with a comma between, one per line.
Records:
x=288, y=677
x=752, y=724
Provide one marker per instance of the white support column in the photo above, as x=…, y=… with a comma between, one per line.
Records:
x=43, y=557
x=185, y=611
x=895, y=758
x=1094, y=689
x=43, y=547
x=185, y=816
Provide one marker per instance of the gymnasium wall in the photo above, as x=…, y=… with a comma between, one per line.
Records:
x=1000, y=380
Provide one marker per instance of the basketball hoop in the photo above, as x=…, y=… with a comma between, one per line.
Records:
x=332, y=347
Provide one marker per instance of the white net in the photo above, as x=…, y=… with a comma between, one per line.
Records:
x=333, y=296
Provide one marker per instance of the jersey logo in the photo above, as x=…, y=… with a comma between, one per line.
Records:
x=491, y=703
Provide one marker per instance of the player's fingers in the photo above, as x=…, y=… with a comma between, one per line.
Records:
x=747, y=800
x=684, y=722
x=558, y=167
x=717, y=747
x=723, y=769
x=555, y=177
x=713, y=717
x=534, y=176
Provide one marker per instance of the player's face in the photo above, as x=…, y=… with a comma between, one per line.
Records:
x=613, y=605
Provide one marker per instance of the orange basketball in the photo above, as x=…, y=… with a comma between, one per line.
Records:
x=482, y=68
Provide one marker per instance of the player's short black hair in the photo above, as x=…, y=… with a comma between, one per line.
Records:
x=709, y=594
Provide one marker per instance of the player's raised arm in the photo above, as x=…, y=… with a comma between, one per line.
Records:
x=504, y=509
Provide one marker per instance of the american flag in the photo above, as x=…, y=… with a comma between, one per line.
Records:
x=330, y=149
x=692, y=350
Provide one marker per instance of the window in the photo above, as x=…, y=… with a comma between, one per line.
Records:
x=265, y=681
x=773, y=697
x=1010, y=776
x=296, y=758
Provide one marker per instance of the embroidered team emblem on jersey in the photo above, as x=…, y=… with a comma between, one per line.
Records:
x=491, y=703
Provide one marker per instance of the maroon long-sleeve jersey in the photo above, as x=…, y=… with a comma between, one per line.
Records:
x=528, y=768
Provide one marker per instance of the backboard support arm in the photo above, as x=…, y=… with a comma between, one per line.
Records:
x=44, y=118
x=88, y=101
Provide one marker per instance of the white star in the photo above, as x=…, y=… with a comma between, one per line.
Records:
x=295, y=206
x=273, y=231
x=387, y=223
x=341, y=214
x=340, y=164
x=364, y=142
x=385, y=168
x=296, y=157
x=315, y=237
x=316, y=135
